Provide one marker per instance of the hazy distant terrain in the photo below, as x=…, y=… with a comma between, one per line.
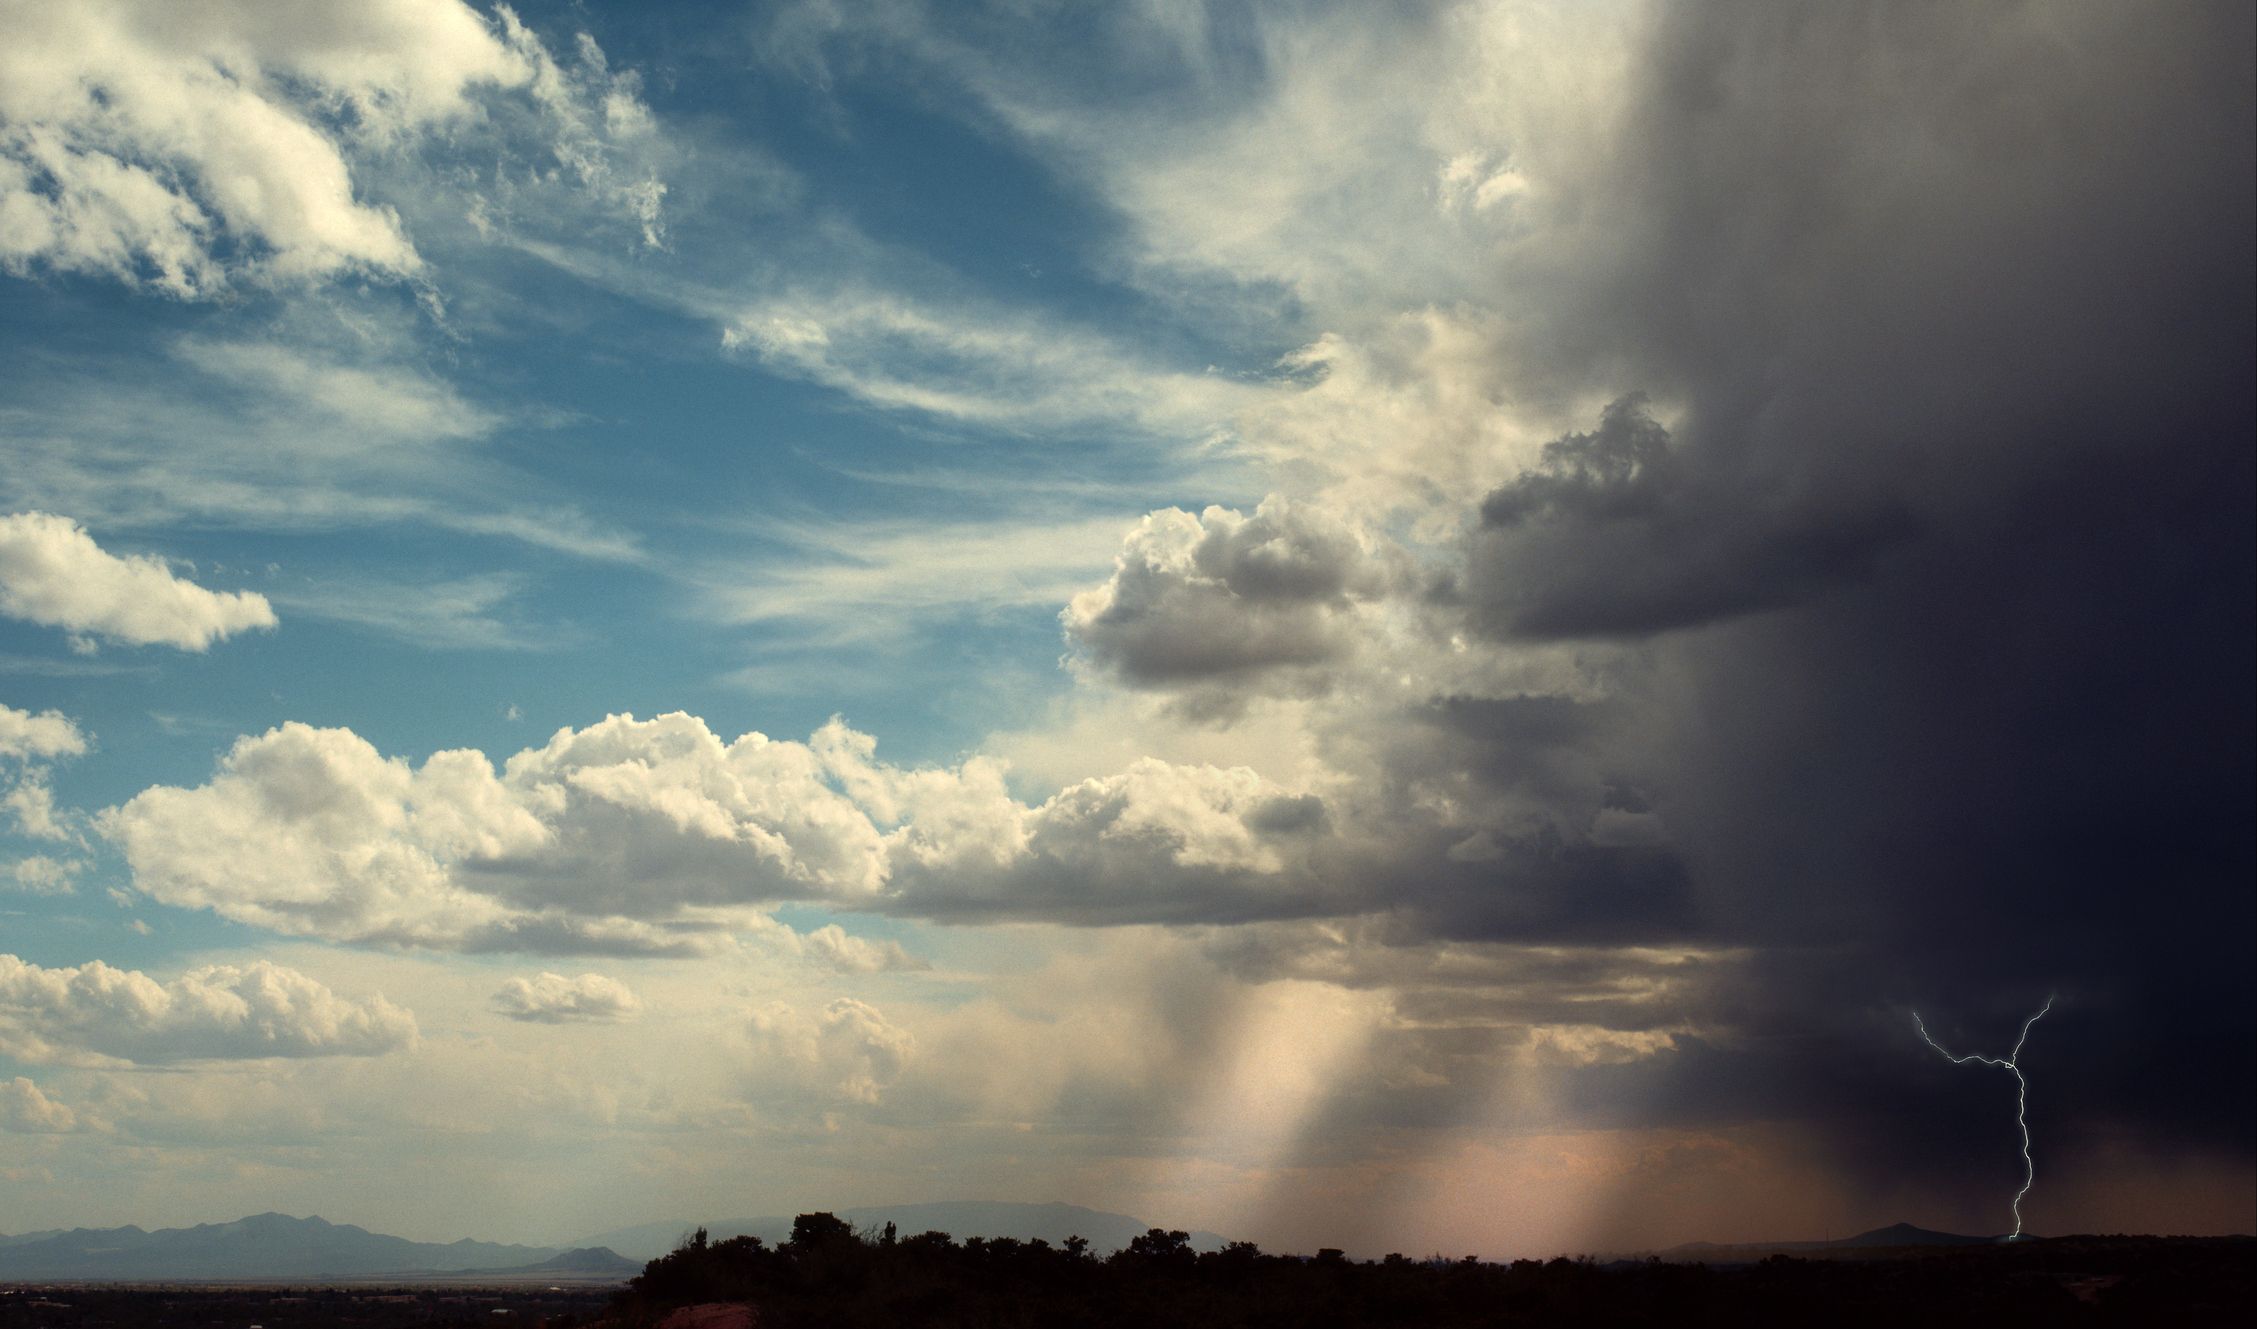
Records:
x=278, y=1246
x=1895, y=1237
x=363, y=1306
x=274, y=1246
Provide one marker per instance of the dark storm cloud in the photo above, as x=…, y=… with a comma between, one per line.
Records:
x=1611, y=537
x=1547, y=749
x=1946, y=574
x=1473, y=983
x=1534, y=885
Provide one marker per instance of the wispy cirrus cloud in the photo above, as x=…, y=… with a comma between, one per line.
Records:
x=861, y=579
x=361, y=400
x=474, y=612
x=981, y=365
x=332, y=420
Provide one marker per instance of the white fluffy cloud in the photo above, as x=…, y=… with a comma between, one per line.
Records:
x=30, y=803
x=849, y=954
x=548, y=998
x=184, y=146
x=31, y=740
x=52, y=573
x=26, y=736
x=142, y=136
x=25, y=1109
x=833, y=948
x=846, y=1053
x=1157, y=841
x=659, y=836
x=1228, y=595
x=93, y=1011
x=38, y=874
x=627, y=835
x=312, y=832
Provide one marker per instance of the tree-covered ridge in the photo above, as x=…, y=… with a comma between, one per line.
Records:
x=829, y=1274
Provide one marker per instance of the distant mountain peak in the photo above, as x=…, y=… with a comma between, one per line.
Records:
x=1895, y=1234
x=1907, y=1234
x=261, y=1246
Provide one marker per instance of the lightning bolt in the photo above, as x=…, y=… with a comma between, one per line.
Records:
x=2011, y=1061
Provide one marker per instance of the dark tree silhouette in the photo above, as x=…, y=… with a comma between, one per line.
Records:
x=828, y=1275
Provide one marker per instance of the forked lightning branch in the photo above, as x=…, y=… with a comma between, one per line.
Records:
x=2012, y=1062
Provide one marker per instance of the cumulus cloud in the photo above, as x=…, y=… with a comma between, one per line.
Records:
x=30, y=740
x=849, y=954
x=347, y=844
x=137, y=144
x=1924, y=620
x=1157, y=841
x=625, y=836
x=39, y=874
x=185, y=149
x=1921, y=627
x=52, y=573
x=659, y=836
x=548, y=998
x=31, y=804
x=846, y=1053
x=93, y=1011
x=1228, y=596
x=833, y=947
x=26, y=736
x=25, y=1109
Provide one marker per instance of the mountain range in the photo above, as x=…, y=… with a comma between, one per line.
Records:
x=278, y=1246
x=1896, y=1236
x=270, y=1247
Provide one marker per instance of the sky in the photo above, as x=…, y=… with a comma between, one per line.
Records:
x=1406, y=627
